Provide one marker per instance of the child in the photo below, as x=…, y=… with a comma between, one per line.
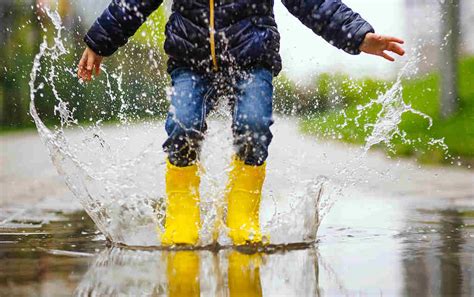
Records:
x=223, y=47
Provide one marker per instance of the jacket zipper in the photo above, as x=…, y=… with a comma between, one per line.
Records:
x=211, y=36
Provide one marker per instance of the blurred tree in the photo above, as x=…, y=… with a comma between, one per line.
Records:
x=450, y=33
x=19, y=40
x=24, y=23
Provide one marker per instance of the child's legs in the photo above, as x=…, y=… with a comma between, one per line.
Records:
x=252, y=116
x=185, y=123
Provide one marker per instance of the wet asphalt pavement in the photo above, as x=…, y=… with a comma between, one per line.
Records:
x=394, y=237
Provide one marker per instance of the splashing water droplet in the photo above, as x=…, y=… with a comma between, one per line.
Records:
x=117, y=171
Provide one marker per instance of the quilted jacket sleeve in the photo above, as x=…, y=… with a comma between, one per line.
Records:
x=119, y=21
x=332, y=20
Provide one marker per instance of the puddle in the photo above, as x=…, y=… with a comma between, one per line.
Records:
x=117, y=171
x=365, y=245
x=387, y=247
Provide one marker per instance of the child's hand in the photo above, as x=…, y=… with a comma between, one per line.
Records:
x=88, y=63
x=375, y=44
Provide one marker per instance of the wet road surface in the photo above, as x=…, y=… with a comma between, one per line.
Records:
x=411, y=236
x=385, y=248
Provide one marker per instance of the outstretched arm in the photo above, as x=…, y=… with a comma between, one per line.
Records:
x=342, y=27
x=333, y=21
x=119, y=21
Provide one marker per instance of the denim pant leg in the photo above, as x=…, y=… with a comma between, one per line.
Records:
x=252, y=116
x=185, y=123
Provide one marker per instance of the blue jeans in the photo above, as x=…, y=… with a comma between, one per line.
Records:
x=194, y=95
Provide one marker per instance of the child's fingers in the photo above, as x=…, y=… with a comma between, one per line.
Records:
x=387, y=56
x=84, y=74
x=81, y=66
x=395, y=39
x=394, y=47
x=97, y=67
x=90, y=66
x=90, y=63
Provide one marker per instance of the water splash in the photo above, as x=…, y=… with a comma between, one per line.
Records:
x=392, y=107
x=117, y=172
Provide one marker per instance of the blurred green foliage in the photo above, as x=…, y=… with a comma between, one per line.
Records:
x=325, y=93
x=141, y=69
x=423, y=95
x=16, y=52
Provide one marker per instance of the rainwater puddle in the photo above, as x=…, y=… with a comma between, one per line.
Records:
x=116, y=171
x=367, y=246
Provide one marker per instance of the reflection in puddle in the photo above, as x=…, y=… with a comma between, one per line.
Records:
x=388, y=247
x=201, y=273
x=441, y=261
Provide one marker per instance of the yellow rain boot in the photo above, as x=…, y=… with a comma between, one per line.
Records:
x=244, y=191
x=183, y=274
x=244, y=275
x=182, y=220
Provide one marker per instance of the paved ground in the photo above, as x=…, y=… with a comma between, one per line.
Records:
x=28, y=176
x=416, y=220
x=26, y=172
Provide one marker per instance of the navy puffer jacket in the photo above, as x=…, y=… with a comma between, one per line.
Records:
x=209, y=35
